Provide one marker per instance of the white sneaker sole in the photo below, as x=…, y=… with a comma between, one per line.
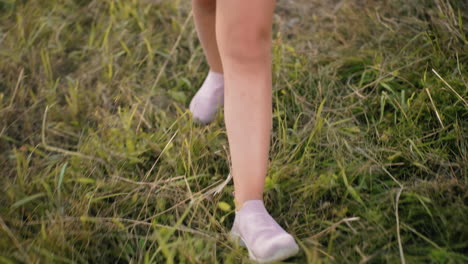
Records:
x=279, y=255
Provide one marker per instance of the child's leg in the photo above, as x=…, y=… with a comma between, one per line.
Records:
x=243, y=32
x=210, y=96
x=204, y=13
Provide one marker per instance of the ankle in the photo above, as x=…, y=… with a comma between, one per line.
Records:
x=239, y=203
x=215, y=78
x=216, y=71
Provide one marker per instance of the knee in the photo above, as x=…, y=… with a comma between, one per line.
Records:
x=205, y=5
x=246, y=44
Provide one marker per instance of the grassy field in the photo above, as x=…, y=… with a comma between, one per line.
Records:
x=100, y=161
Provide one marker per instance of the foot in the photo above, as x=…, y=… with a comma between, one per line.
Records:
x=209, y=98
x=264, y=238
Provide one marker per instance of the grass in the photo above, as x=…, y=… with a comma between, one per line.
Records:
x=101, y=162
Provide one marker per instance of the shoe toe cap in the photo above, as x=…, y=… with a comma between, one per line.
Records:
x=284, y=243
x=200, y=113
x=203, y=109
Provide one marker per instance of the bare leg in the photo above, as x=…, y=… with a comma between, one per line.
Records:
x=243, y=31
x=210, y=97
x=204, y=13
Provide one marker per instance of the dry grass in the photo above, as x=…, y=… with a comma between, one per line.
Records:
x=101, y=162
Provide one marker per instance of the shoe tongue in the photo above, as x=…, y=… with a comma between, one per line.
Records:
x=253, y=206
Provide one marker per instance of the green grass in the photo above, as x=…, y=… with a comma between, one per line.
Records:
x=100, y=161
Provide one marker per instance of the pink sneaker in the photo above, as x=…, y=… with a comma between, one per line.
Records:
x=209, y=98
x=264, y=238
